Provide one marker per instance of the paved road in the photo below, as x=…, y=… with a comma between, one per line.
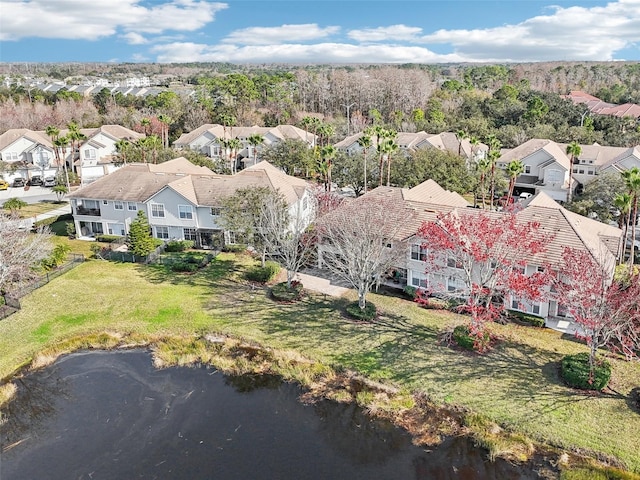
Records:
x=33, y=195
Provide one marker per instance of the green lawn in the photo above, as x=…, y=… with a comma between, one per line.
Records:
x=516, y=384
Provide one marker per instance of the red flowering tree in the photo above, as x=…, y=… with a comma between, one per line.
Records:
x=485, y=255
x=606, y=311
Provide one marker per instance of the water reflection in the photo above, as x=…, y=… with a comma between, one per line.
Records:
x=111, y=415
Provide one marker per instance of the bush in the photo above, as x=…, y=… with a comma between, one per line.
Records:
x=107, y=238
x=367, y=313
x=527, y=318
x=178, y=245
x=411, y=292
x=184, y=267
x=234, y=248
x=462, y=338
x=44, y=222
x=70, y=228
x=282, y=293
x=263, y=274
x=575, y=372
x=436, y=303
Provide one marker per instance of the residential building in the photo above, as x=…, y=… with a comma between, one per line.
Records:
x=26, y=153
x=181, y=201
x=209, y=140
x=562, y=228
x=598, y=107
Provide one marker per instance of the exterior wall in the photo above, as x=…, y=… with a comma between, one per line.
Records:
x=171, y=202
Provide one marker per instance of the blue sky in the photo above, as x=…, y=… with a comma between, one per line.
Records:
x=318, y=31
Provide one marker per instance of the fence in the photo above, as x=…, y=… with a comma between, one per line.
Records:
x=128, y=257
x=12, y=300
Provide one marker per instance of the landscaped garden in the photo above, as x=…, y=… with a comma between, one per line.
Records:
x=516, y=383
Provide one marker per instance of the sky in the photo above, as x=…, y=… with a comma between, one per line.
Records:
x=319, y=31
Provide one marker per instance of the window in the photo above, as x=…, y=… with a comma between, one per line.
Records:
x=131, y=206
x=581, y=170
x=118, y=205
x=216, y=211
x=540, y=269
x=162, y=232
x=11, y=156
x=305, y=203
x=454, y=284
x=520, y=269
x=575, y=170
x=116, y=229
x=454, y=263
x=590, y=171
x=157, y=210
x=90, y=153
x=527, y=169
x=419, y=282
x=563, y=311
x=418, y=253
x=230, y=237
x=189, y=234
x=535, y=308
x=214, y=150
x=185, y=211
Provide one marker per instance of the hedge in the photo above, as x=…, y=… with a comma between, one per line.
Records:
x=178, y=245
x=107, y=238
x=527, y=318
x=575, y=372
x=263, y=274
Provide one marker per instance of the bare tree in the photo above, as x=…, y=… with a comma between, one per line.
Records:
x=285, y=231
x=362, y=240
x=20, y=251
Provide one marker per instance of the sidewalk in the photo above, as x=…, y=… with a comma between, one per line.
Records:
x=320, y=284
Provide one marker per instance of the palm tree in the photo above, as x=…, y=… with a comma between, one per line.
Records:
x=493, y=155
x=632, y=180
x=573, y=150
x=461, y=135
x=514, y=168
x=474, y=142
x=390, y=147
x=146, y=125
x=228, y=121
x=165, y=120
x=306, y=122
x=122, y=147
x=326, y=131
x=328, y=153
x=234, y=145
x=623, y=202
x=75, y=137
x=54, y=132
x=365, y=142
x=483, y=167
x=153, y=143
x=255, y=140
x=60, y=145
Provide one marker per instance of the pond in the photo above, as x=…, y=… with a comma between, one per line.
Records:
x=112, y=415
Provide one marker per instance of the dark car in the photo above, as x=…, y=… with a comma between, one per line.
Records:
x=36, y=181
x=49, y=182
x=18, y=182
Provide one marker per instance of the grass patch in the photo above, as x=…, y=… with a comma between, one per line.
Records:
x=35, y=209
x=516, y=385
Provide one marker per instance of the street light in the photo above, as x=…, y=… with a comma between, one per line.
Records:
x=348, y=107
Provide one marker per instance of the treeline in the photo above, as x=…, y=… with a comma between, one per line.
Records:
x=511, y=102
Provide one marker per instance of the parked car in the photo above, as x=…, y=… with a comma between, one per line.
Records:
x=18, y=182
x=3, y=184
x=525, y=195
x=49, y=182
x=36, y=181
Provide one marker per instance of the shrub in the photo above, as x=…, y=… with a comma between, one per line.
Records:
x=367, y=313
x=45, y=222
x=263, y=274
x=462, y=338
x=234, y=248
x=283, y=293
x=107, y=238
x=70, y=228
x=527, y=318
x=436, y=303
x=575, y=372
x=57, y=257
x=184, y=267
x=411, y=292
x=179, y=245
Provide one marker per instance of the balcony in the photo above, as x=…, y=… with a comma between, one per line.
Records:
x=93, y=212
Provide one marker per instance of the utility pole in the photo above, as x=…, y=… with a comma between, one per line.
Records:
x=348, y=107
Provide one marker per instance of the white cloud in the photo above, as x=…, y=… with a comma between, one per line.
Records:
x=573, y=33
x=134, y=38
x=393, y=32
x=77, y=19
x=281, y=34
x=299, y=53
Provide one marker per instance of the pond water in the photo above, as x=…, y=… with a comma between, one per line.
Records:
x=112, y=415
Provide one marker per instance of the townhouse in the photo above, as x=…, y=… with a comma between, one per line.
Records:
x=210, y=140
x=563, y=228
x=182, y=201
x=27, y=152
x=548, y=168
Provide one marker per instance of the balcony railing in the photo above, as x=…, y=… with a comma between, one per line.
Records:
x=94, y=212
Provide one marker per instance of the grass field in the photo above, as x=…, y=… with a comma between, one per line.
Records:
x=516, y=384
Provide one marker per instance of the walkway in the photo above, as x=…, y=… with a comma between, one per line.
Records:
x=322, y=284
